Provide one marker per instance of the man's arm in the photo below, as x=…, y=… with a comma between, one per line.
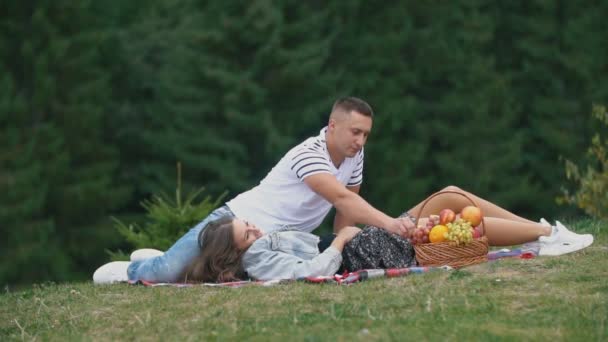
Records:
x=353, y=206
x=341, y=220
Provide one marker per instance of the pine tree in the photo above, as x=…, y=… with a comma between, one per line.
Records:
x=476, y=144
x=430, y=77
x=546, y=49
x=30, y=248
x=222, y=89
x=57, y=100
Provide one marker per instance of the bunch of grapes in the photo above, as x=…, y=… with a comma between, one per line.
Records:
x=421, y=234
x=460, y=231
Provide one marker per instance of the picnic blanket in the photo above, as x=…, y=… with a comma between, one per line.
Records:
x=362, y=275
x=338, y=279
x=526, y=251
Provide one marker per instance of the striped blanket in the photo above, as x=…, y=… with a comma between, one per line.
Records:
x=338, y=279
x=525, y=252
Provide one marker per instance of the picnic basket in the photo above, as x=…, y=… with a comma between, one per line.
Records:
x=449, y=253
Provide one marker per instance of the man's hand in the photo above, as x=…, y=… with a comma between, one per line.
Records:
x=402, y=226
x=354, y=207
x=410, y=226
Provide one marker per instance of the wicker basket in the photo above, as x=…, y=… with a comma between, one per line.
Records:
x=450, y=253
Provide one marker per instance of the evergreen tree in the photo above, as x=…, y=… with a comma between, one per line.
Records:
x=222, y=89
x=475, y=141
x=102, y=98
x=440, y=105
x=538, y=46
x=57, y=99
x=30, y=249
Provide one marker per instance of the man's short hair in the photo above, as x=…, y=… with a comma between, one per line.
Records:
x=349, y=104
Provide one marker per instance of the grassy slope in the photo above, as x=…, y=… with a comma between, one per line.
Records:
x=562, y=298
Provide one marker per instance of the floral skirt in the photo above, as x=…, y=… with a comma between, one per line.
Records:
x=374, y=247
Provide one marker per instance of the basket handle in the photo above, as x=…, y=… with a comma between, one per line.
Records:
x=482, y=224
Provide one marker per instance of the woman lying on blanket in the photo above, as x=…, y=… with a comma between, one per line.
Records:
x=229, y=247
x=233, y=249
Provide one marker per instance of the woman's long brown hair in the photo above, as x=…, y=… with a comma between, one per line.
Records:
x=219, y=259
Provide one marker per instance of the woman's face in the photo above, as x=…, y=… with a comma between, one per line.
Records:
x=245, y=233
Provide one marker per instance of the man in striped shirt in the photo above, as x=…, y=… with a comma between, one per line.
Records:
x=321, y=172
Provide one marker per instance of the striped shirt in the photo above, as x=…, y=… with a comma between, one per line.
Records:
x=283, y=199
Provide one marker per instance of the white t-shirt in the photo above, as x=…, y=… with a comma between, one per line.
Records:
x=283, y=199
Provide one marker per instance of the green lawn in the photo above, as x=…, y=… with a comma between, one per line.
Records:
x=547, y=298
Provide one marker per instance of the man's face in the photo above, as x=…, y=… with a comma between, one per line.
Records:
x=350, y=132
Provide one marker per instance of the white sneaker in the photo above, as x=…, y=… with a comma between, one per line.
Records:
x=112, y=272
x=587, y=238
x=561, y=242
x=145, y=253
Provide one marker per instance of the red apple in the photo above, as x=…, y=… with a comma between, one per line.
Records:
x=446, y=216
x=472, y=215
x=476, y=232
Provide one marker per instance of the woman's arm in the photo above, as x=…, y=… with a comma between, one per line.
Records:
x=263, y=263
x=266, y=264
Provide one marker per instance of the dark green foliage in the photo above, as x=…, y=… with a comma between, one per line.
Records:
x=445, y=116
x=222, y=88
x=167, y=219
x=591, y=193
x=99, y=101
x=59, y=171
x=30, y=247
x=539, y=48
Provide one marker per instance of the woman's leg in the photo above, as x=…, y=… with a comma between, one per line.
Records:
x=505, y=232
x=457, y=202
x=168, y=267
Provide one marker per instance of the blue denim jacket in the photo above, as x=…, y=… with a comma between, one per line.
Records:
x=289, y=254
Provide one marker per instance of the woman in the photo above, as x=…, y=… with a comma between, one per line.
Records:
x=233, y=249
x=230, y=247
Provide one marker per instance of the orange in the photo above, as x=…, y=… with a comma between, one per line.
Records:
x=438, y=233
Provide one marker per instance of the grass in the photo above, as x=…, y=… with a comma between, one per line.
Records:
x=546, y=298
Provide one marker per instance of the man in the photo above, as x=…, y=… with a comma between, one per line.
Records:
x=321, y=172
